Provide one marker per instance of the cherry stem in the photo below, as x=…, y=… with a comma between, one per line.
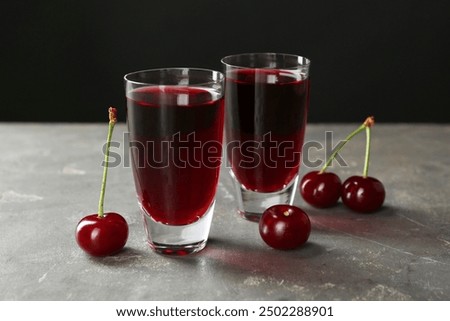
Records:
x=367, y=124
x=367, y=157
x=112, y=121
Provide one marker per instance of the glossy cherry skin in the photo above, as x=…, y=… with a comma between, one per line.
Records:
x=284, y=227
x=363, y=194
x=102, y=236
x=321, y=189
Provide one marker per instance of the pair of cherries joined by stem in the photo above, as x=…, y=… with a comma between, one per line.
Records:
x=363, y=194
x=103, y=234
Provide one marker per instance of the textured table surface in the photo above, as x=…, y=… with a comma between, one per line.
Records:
x=50, y=178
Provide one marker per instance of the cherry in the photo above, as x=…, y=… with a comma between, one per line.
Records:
x=363, y=194
x=103, y=234
x=284, y=227
x=321, y=189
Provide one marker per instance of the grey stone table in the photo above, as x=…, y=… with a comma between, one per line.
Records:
x=50, y=177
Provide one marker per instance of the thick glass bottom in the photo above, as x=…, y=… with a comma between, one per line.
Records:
x=178, y=239
x=251, y=205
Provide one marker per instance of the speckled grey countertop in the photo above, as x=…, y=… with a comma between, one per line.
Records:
x=50, y=177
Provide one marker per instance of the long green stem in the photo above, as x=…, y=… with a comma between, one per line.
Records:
x=367, y=124
x=367, y=157
x=112, y=121
x=339, y=147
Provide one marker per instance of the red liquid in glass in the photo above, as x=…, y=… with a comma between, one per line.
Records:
x=175, y=142
x=266, y=116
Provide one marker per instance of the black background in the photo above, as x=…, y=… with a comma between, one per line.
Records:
x=65, y=60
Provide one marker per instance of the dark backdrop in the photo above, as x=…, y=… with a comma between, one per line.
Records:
x=65, y=60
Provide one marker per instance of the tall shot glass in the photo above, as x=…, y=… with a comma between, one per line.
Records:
x=266, y=103
x=175, y=120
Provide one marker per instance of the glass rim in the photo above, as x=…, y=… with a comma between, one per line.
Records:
x=211, y=71
x=298, y=65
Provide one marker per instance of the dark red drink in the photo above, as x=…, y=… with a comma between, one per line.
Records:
x=175, y=142
x=266, y=113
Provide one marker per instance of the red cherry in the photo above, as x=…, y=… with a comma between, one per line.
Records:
x=103, y=233
x=321, y=189
x=284, y=227
x=363, y=194
x=101, y=236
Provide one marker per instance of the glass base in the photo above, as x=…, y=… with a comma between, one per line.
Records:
x=251, y=205
x=178, y=239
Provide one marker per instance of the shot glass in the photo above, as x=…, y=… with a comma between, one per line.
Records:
x=266, y=103
x=175, y=121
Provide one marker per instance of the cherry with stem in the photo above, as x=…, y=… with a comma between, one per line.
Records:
x=103, y=234
x=364, y=194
